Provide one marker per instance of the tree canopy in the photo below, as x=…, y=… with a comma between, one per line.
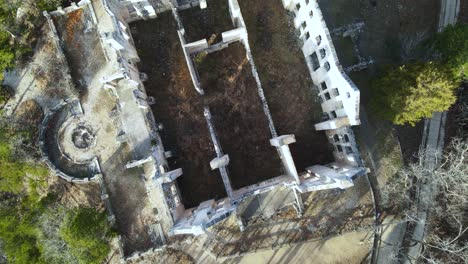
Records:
x=16, y=37
x=86, y=232
x=452, y=44
x=17, y=175
x=406, y=94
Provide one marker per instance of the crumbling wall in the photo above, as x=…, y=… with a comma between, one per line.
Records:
x=339, y=95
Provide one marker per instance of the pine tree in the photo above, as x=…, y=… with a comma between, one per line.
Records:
x=414, y=91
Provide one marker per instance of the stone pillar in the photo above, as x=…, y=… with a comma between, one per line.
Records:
x=281, y=143
x=169, y=176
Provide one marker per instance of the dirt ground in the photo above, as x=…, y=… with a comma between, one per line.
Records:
x=129, y=201
x=205, y=23
x=286, y=80
x=349, y=248
x=82, y=49
x=241, y=124
x=178, y=107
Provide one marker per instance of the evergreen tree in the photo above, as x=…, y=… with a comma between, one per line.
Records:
x=452, y=45
x=414, y=91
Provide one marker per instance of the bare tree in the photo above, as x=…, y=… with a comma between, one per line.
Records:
x=447, y=233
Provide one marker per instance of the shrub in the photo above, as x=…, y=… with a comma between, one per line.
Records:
x=86, y=232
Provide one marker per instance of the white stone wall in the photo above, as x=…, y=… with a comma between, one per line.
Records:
x=340, y=97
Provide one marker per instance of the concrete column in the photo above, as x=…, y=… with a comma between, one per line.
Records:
x=333, y=123
x=281, y=143
x=169, y=176
x=136, y=163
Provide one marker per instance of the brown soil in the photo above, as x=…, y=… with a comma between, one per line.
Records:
x=166, y=256
x=179, y=108
x=241, y=125
x=30, y=113
x=204, y=23
x=82, y=49
x=410, y=138
x=286, y=80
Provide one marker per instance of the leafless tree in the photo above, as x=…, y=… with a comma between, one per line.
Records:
x=447, y=233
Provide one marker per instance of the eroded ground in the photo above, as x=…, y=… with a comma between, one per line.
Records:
x=286, y=80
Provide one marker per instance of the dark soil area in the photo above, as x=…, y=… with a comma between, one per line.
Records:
x=347, y=55
x=241, y=124
x=178, y=107
x=204, y=23
x=286, y=81
x=392, y=27
x=454, y=126
x=410, y=138
x=463, y=15
x=66, y=3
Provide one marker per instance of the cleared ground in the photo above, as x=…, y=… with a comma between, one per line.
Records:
x=289, y=90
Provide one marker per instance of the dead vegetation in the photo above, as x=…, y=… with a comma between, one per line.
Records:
x=207, y=23
x=73, y=20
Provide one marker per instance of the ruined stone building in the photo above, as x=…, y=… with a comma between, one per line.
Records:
x=139, y=127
